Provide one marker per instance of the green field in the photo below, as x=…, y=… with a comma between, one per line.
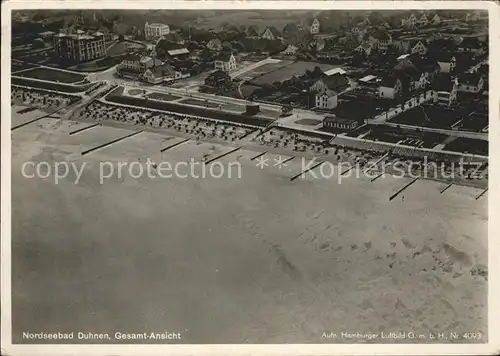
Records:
x=52, y=75
x=296, y=69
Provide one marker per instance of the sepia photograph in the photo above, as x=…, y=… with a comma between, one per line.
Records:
x=247, y=176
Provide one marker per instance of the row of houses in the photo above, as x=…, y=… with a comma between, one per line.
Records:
x=147, y=68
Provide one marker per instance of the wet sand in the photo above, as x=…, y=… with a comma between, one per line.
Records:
x=257, y=259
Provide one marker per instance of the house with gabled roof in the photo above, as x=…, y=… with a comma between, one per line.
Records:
x=326, y=99
x=318, y=44
x=290, y=50
x=160, y=74
x=364, y=48
x=471, y=82
x=390, y=87
x=314, y=27
x=214, y=44
x=336, y=82
x=447, y=62
x=252, y=33
x=225, y=61
x=445, y=90
x=409, y=21
x=423, y=20
x=418, y=46
x=384, y=40
x=470, y=44
x=271, y=33
x=435, y=19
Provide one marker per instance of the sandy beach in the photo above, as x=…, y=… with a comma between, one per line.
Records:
x=255, y=259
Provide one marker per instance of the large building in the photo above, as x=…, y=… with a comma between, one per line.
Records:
x=80, y=46
x=155, y=31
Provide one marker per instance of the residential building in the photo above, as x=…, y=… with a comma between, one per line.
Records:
x=326, y=99
x=390, y=87
x=384, y=41
x=138, y=63
x=173, y=37
x=423, y=20
x=252, y=33
x=318, y=44
x=271, y=33
x=315, y=27
x=155, y=31
x=336, y=82
x=214, y=44
x=418, y=46
x=471, y=44
x=290, y=50
x=444, y=90
x=447, y=62
x=225, y=62
x=79, y=47
x=471, y=83
x=177, y=52
x=293, y=31
x=334, y=122
x=218, y=79
x=436, y=20
x=416, y=63
x=472, y=16
x=364, y=48
x=409, y=21
x=334, y=71
x=160, y=74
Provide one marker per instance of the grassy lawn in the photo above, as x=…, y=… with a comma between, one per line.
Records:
x=284, y=73
x=20, y=66
x=206, y=104
x=64, y=88
x=266, y=68
x=468, y=145
x=161, y=96
x=428, y=116
x=53, y=75
x=309, y=122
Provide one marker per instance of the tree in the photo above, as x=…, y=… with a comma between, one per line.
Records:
x=242, y=28
x=37, y=43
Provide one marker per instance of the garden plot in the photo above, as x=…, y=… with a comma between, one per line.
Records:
x=52, y=75
x=296, y=69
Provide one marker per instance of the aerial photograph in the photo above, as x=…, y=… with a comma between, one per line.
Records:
x=249, y=176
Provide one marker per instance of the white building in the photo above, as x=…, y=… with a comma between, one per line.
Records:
x=423, y=20
x=225, y=62
x=419, y=48
x=409, y=21
x=390, y=87
x=315, y=27
x=445, y=90
x=155, y=31
x=447, y=62
x=326, y=99
x=471, y=83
